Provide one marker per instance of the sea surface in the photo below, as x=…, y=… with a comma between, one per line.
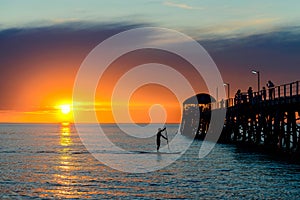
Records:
x=45, y=161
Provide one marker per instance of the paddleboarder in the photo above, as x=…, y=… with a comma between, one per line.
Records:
x=159, y=135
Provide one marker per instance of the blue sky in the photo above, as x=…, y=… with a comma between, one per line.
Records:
x=199, y=18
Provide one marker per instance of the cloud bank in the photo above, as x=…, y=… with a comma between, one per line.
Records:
x=36, y=60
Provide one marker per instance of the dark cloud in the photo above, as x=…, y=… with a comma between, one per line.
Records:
x=28, y=53
x=276, y=54
x=32, y=53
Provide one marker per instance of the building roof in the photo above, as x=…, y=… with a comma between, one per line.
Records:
x=201, y=98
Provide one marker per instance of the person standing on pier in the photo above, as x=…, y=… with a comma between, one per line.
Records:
x=238, y=97
x=158, y=136
x=271, y=86
x=250, y=94
x=264, y=93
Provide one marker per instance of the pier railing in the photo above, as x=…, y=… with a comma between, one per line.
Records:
x=277, y=93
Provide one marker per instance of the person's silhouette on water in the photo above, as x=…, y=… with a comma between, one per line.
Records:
x=158, y=136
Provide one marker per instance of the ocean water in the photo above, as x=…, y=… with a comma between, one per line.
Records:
x=50, y=161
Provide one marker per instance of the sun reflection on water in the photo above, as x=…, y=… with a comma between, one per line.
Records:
x=65, y=136
x=65, y=177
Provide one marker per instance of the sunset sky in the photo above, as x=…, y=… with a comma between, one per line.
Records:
x=43, y=43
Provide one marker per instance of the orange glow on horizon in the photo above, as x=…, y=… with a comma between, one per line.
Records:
x=43, y=91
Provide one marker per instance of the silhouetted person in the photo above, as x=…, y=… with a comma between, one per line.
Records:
x=250, y=94
x=271, y=86
x=264, y=93
x=238, y=97
x=222, y=103
x=158, y=136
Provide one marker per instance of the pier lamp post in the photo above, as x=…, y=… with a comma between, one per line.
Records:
x=258, y=79
x=228, y=89
x=228, y=93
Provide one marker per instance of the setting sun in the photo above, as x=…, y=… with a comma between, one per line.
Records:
x=65, y=109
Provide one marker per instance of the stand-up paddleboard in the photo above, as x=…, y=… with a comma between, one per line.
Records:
x=154, y=152
x=136, y=152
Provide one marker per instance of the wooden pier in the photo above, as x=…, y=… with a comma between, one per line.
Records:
x=267, y=119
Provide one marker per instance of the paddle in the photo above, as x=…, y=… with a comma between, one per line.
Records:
x=167, y=139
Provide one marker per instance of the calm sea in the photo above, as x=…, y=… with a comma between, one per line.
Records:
x=49, y=161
